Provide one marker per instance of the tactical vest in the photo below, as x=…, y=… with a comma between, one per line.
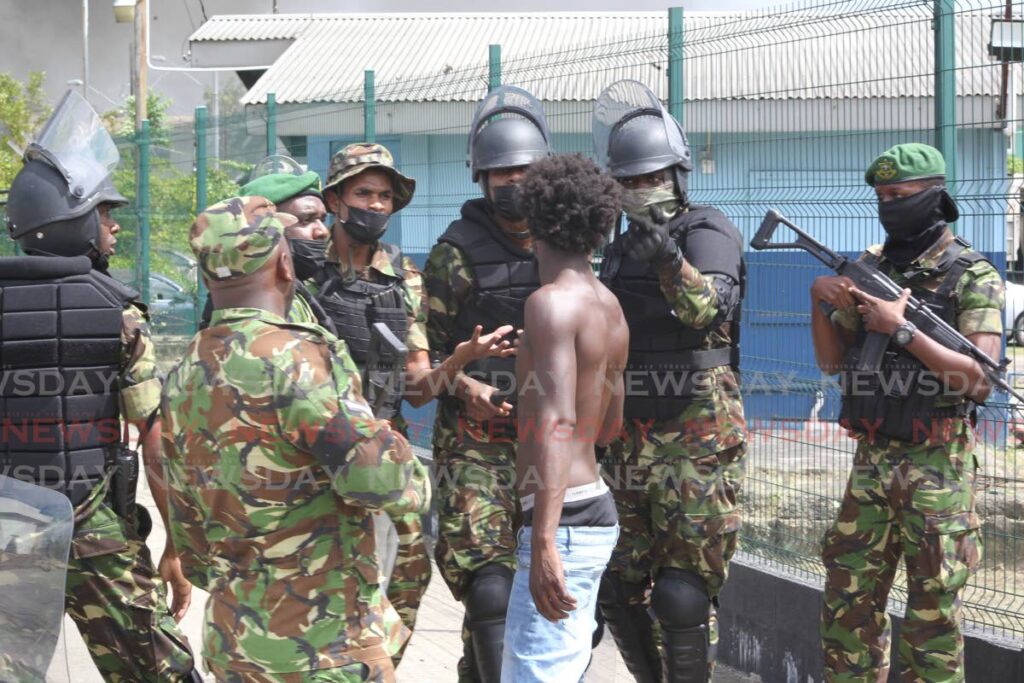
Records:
x=899, y=401
x=355, y=305
x=666, y=356
x=60, y=358
x=504, y=276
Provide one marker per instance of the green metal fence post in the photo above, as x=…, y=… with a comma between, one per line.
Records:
x=945, y=86
x=271, y=123
x=142, y=264
x=676, y=85
x=369, y=108
x=201, y=166
x=493, y=67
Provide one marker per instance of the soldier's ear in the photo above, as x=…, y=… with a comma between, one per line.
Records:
x=285, y=269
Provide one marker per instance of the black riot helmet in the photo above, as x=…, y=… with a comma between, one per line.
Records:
x=52, y=203
x=634, y=134
x=508, y=130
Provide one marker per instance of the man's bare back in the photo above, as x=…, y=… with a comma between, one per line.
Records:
x=569, y=371
x=569, y=376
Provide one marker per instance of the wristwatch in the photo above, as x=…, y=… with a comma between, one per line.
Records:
x=904, y=334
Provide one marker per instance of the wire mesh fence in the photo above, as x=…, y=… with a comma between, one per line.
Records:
x=783, y=109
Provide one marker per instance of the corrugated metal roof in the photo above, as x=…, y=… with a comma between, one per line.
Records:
x=252, y=27
x=572, y=56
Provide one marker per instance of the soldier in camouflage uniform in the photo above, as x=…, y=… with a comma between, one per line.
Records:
x=480, y=273
x=364, y=281
x=115, y=595
x=275, y=464
x=676, y=472
x=911, y=491
x=290, y=190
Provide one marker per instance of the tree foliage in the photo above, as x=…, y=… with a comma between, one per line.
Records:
x=23, y=109
x=172, y=191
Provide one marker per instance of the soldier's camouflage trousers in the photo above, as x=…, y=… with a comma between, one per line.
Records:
x=478, y=516
x=911, y=501
x=676, y=509
x=118, y=602
x=353, y=673
x=410, y=574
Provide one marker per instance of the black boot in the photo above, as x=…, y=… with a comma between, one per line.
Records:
x=631, y=626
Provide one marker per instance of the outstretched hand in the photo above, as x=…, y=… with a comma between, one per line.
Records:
x=484, y=345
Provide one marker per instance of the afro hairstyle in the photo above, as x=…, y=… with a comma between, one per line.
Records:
x=569, y=203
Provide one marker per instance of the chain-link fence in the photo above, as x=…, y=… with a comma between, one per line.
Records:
x=783, y=109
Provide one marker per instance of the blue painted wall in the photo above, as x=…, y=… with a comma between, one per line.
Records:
x=815, y=179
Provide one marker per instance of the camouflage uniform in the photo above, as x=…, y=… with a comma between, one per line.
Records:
x=910, y=500
x=275, y=464
x=114, y=593
x=478, y=508
x=410, y=575
x=477, y=504
x=676, y=481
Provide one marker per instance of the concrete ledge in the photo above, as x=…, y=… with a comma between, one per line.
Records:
x=770, y=627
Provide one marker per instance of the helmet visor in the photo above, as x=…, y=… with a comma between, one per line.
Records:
x=77, y=144
x=625, y=100
x=503, y=102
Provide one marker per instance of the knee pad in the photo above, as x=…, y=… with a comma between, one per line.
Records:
x=680, y=599
x=488, y=594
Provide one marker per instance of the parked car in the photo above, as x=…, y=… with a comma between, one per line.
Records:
x=171, y=307
x=1013, y=314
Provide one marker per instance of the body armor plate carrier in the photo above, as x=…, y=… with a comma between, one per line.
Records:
x=504, y=276
x=60, y=356
x=899, y=401
x=354, y=306
x=666, y=357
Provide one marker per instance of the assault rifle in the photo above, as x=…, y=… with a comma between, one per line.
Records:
x=385, y=371
x=869, y=279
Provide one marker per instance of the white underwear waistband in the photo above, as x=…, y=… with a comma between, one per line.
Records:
x=573, y=494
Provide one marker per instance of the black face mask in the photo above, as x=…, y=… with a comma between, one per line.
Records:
x=914, y=223
x=505, y=204
x=366, y=227
x=307, y=256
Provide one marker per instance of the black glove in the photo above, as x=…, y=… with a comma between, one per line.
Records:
x=652, y=243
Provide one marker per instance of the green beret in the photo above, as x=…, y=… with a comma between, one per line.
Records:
x=909, y=161
x=278, y=187
x=236, y=237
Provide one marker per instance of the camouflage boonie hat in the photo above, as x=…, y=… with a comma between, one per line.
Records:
x=236, y=237
x=909, y=161
x=362, y=156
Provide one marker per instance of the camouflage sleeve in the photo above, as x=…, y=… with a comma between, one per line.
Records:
x=321, y=411
x=138, y=383
x=847, y=318
x=980, y=295
x=449, y=284
x=693, y=296
x=415, y=306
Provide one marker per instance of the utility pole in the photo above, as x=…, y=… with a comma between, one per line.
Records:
x=85, y=49
x=142, y=59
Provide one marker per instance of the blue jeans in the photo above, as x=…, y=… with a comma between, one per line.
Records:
x=536, y=649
